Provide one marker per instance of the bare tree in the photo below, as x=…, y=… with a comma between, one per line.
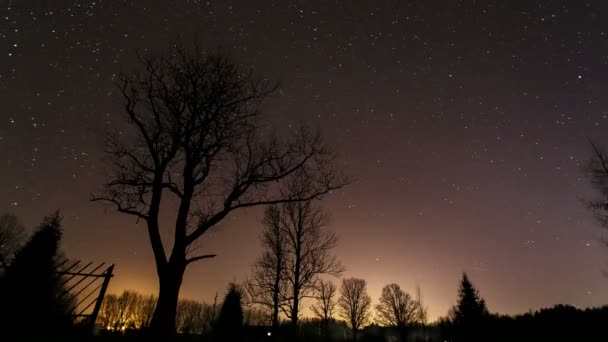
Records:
x=325, y=304
x=189, y=319
x=423, y=312
x=297, y=249
x=256, y=316
x=109, y=312
x=398, y=309
x=308, y=246
x=355, y=303
x=597, y=170
x=123, y=312
x=267, y=283
x=193, y=138
x=210, y=314
x=145, y=310
x=132, y=310
x=128, y=303
x=11, y=238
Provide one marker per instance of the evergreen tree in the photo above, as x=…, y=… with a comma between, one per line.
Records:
x=230, y=321
x=470, y=314
x=32, y=297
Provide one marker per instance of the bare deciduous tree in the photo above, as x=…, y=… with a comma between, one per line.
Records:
x=11, y=238
x=325, y=304
x=189, y=319
x=210, y=314
x=145, y=310
x=130, y=310
x=297, y=249
x=355, y=303
x=256, y=316
x=108, y=314
x=398, y=309
x=193, y=137
x=266, y=286
x=597, y=170
x=308, y=245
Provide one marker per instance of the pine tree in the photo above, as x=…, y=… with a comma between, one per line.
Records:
x=470, y=314
x=32, y=300
x=230, y=321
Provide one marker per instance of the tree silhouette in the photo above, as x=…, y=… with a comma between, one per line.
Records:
x=308, y=246
x=297, y=249
x=598, y=175
x=254, y=315
x=11, y=238
x=130, y=310
x=194, y=138
x=189, y=317
x=230, y=320
x=267, y=285
x=355, y=303
x=398, y=309
x=33, y=300
x=210, y=315
x=325, y=304
x=470, y=313
x=133, y=311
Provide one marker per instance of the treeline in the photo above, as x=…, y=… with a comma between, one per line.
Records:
x=131, y=311
x=470, y=320
x=559, y=323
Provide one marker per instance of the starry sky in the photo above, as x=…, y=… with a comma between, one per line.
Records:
x=466, y=124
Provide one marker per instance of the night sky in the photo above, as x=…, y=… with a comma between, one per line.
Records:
x=465, y=124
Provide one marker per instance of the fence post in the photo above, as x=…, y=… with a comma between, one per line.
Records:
x=102, y=292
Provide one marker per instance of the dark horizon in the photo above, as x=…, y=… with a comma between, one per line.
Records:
x=466, y=125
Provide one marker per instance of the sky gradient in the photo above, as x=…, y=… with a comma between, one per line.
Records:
x=466, y=124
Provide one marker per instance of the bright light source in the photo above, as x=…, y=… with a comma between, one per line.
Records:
x=269, y=333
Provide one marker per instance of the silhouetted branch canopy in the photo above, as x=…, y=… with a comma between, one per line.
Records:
x=194, y=135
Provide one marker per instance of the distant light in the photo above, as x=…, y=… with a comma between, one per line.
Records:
x=269, y=333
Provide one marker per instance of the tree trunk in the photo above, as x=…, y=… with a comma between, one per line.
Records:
x=296, y=279
x=294, y=310
x=325, y=328
x=275, y=296
x=275, y=311
x=403, y=332
x=296, y=300
x=170, y=281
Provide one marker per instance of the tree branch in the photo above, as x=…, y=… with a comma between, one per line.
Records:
x=200, y=257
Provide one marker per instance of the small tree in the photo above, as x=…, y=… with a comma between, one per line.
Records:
x=33, y=300
x=210, y=315
x=470, y=313
x=254, y=315
x=229, y=324
x=325, y=304
x=398, y=309
x=11, y=239
x=189, y=317
x=355, y=304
